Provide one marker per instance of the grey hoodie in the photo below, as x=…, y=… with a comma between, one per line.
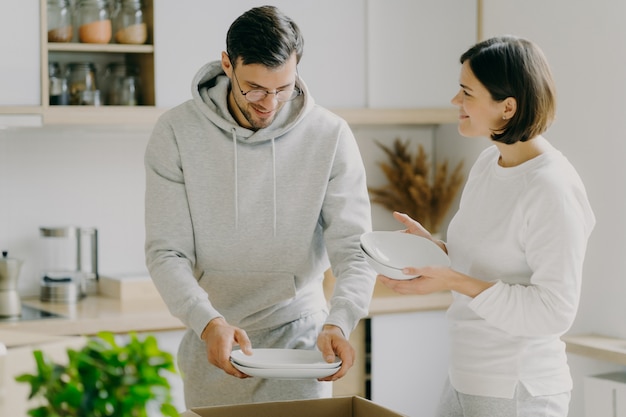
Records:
x=242, y=224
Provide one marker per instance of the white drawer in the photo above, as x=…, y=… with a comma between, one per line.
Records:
x=605, y=395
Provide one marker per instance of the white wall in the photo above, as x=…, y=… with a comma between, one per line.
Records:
x=87, y=177
x=585, y=43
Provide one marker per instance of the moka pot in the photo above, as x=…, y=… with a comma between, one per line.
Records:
x=10, y=303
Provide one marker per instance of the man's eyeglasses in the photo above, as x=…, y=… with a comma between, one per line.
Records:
x=257, y=95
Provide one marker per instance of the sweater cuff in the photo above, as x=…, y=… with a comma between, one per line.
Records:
x=202, y=314
x=343, y=319
x=483, y=300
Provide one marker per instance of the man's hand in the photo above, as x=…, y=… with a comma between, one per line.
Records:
x=331, y=342
x=219, y=338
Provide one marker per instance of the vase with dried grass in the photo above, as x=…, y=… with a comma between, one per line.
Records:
x=413, y=189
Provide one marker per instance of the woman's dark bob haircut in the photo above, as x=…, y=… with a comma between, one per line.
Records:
x=264, y=35
x=509, y=66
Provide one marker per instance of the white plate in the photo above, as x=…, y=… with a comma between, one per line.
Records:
x=293, y=373
x=284, y=359
x=385, y=270
x=399, y=250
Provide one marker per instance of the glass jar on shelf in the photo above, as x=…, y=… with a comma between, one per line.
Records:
x=129, y=25
x=122, y=85
x=58, y=87
x=59, y=21
x=82, y=84
x=93, y=18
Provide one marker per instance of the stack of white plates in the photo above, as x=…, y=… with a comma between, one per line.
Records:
x=284, y=363
x=389, y=252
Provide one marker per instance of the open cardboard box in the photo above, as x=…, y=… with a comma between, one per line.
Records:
x=326, y=407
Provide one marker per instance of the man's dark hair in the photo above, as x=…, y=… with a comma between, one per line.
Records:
x=263, y=35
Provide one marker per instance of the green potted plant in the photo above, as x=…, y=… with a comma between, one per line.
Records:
x=104, y=378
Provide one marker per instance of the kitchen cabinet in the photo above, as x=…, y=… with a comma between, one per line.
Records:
x=24, y=77
x=414, y=48
x=20, y=101
x=358, y=59
x=333, y=63
x=409, y=361
x=19, y=359
x=365, y=54
x=605, y=395
x=20, y=48
x=140, y=56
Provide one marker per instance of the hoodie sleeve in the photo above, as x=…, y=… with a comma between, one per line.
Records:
x=169, y=245
x=346, y=214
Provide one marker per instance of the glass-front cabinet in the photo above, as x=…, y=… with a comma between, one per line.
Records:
x=97, y=61
x=79, y=62
x=94, y=62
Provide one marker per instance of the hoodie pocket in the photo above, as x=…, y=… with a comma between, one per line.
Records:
x=239, y=296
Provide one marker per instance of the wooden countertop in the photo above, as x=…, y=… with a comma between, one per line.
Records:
x=386, y=301
x=97, y=313
x=595, y=346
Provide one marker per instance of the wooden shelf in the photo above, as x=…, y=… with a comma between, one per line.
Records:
x=416, y=116
x=147, y=115
x=101, y=115
x=96, y=48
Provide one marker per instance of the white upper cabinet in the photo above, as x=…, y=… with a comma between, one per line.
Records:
x=357, y=54
x=414, y=48
x=21, y=53
x=190, y=33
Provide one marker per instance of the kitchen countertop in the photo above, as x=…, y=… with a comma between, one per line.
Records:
x=605, y=348
x=96, y=313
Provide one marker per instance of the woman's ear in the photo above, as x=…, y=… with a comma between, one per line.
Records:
x=510, y=107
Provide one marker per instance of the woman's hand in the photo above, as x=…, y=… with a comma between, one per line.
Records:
x=436, y=278
x=415, y=228
x=429, y=280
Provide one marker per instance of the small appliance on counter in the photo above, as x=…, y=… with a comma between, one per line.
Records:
x=70, y=256
x=10, y=304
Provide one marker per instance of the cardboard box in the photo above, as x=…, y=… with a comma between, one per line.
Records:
x=129, y=287
x=325, y=407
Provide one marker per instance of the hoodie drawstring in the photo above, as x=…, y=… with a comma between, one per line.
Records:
x=236, y=184
x=235, y=161
x=274, y=179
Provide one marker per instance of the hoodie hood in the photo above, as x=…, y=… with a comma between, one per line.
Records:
x=210, y=88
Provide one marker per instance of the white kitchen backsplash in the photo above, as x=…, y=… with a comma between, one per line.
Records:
x=94, y=177
x=79, y=176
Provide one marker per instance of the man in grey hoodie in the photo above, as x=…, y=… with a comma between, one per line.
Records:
x=252, y=192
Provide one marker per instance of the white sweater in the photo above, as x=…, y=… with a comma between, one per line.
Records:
x=525, y=227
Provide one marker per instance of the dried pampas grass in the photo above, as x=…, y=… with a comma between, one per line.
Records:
x=410, y=188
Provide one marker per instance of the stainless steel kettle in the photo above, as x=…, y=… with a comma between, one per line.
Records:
x=10, y=303
x=70, y=259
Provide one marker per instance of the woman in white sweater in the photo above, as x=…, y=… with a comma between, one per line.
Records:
x=517, y=243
